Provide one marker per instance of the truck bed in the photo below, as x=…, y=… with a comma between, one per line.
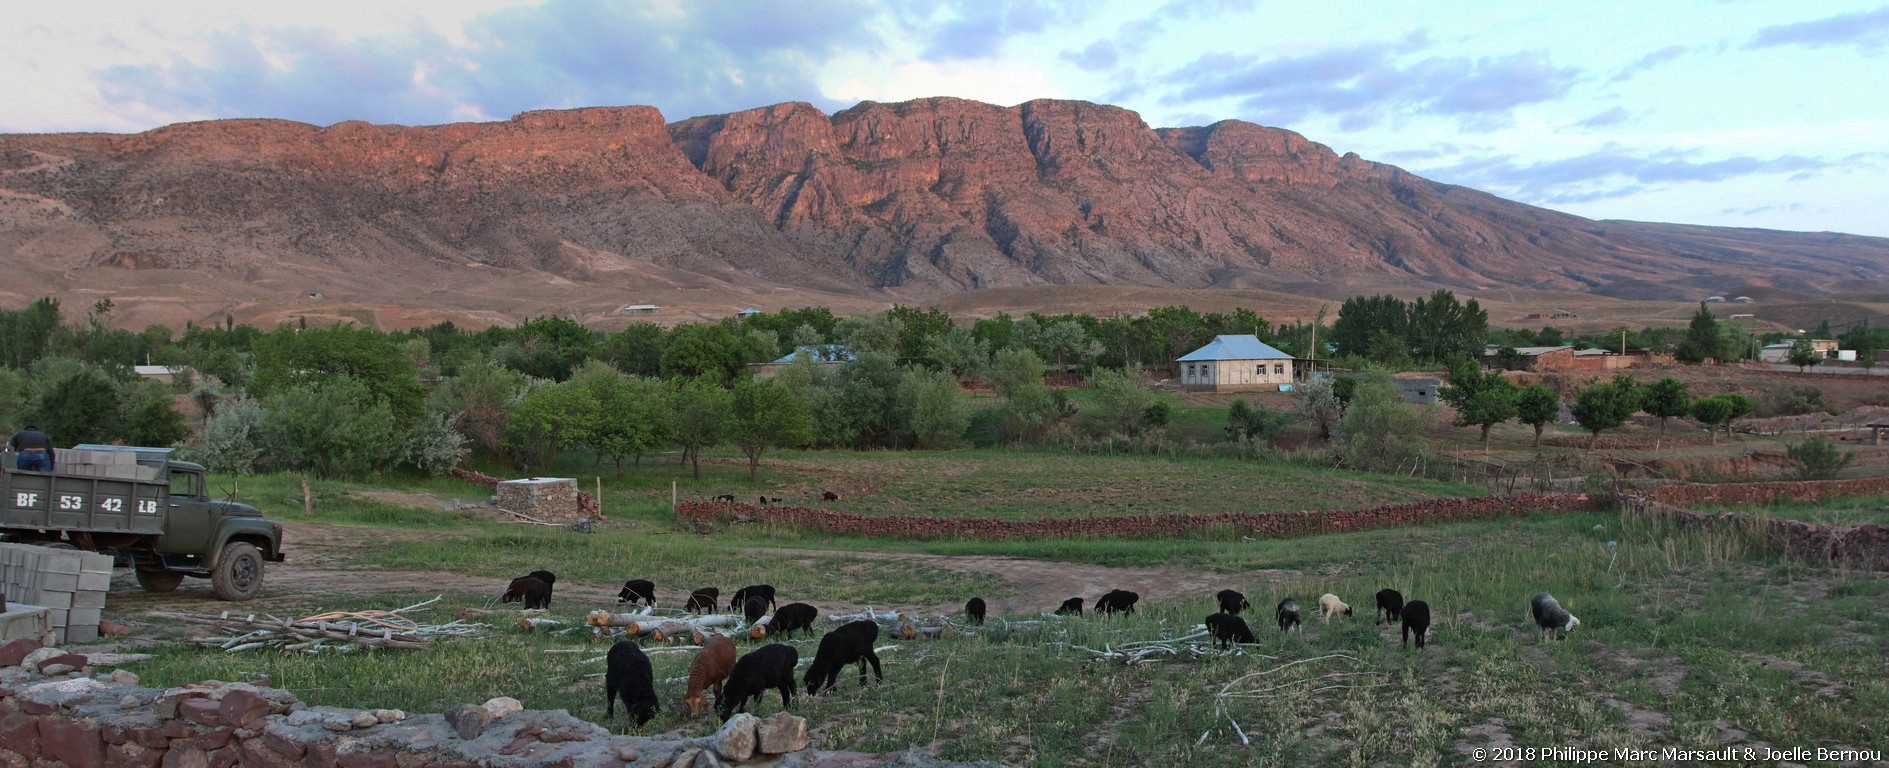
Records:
x=62, y=502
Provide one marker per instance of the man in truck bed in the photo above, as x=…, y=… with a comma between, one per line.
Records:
x=35, y=450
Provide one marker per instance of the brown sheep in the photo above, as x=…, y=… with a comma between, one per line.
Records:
x=709, y=669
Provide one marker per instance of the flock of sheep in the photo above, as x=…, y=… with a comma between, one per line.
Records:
x=737, y=681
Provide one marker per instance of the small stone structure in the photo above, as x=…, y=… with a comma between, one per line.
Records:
x=70, y=584
x=548, y=499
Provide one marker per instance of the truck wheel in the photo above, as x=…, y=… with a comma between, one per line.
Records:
x=238, y=574
x=159, y=581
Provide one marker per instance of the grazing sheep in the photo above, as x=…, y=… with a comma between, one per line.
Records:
x=754, y=608
x=766, y=591
x=638, y=590
x=792, y=617
x=532, y=592
x=1288, y=615
x=829, y=496
x=725, y=497
x=1072, y=605
x=763, y=501
x=628, y=676
x=1329, y=605
x=840, y=647
x=974, y=610
x=710, y=667
x=770, y=666
x=544, y=576
x=1228, y=628
x=1231, y=601
x=1416, y=616
x=1549, y=616
x=703, y=600
x=1390, y=603
x=1116, y=601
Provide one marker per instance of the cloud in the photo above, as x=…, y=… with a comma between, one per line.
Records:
x=1614, y=116
x=1611, y=172
x=1778, y=208
x=1362, y=85
x=952, y=30
x=689, y=59
x=1097, y=56
x=1650, y=61
x=1868, y=30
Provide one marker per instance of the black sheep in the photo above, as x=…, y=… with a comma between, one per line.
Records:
x=1231, y=601
x=1072, y=605
x=754, y=608
x=532, y=592
x=544, y=576
x=638, y=590
x=792, y=617
x=851, y=642
x=1416, y=616
x=770, y=666
x=766, y=591
x=1288, y=615
x=628, y=676
x=974, y=610
x=829, y=496
x=1228, y=628
x=1390, y=603
x=1116, y=601
x=703, y=600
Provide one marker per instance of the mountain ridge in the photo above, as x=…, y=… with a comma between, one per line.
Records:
x=881, y=201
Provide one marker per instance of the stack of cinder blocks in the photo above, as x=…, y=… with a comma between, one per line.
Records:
x=70, y=584
x=116, y=465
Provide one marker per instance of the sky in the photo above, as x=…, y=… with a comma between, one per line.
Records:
x=1749, y=113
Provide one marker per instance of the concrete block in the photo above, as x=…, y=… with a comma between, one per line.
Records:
x=59, y=582
x=57, y=616
x=58, y=600
x=95, y=582
x=84, y=599
x=84, y=634
x=79, y=617
x=63, y=563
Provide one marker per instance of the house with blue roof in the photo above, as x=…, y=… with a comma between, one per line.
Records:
x=1235, y=363
x=824, y=354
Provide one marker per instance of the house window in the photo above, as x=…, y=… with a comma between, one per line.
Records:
x=1259, y=369
x=1279, y=368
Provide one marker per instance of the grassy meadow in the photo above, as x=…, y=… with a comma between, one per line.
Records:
x=1689, y=638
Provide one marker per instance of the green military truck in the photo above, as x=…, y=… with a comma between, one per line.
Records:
x=154, y=512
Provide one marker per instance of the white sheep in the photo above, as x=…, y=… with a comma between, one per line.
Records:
x=1329, y=605
x=1549, y=615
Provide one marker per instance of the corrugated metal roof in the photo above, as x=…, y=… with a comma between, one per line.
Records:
x=1234, y=347
x=826, y=353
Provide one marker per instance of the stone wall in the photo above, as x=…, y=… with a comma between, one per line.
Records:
x=550, y=499
x=1861, y=546
x=1753, y=494
x=1276, y=524
x=83, y=719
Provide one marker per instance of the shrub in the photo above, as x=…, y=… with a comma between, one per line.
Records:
x=1818, y=458
x=1379, y=432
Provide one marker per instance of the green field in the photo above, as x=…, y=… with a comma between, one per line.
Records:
x=1837, y=512
x=1689, y=638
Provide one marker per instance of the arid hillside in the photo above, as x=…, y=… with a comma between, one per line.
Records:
x=582, y=211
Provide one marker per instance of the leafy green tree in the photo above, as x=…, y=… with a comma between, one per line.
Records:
x=1818, y=458
x=481, y=396
x=766, y=414
x=148, y=418
x=550, y=419
x=433, y=446
x=958, y=352
x=550, y=347
x=698, y=419
x=878, y=332
x=636, y=350
x=74, y=402
x=1482, y=398
x=694, y=351
x=1665, y=399
x=858, y=405
x=916, y=326
x=1713, y=412
x=13, y=400
x=1378, y=431
x=1536, y=405
x=287, y=357
x=629, y=419
x=1600, y=407
x=1702, y=337
x=1803, y=355
x=1068, y=341
x=1361, y=318
x=1121, y=401
x=28, y=334
x=931, y=400
x=1442, y=327
x=233, y=439
x=1250, y=424
x=1316, y=400
x=333, y=427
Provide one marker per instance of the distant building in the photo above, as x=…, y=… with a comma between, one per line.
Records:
x=639, y=309
x=1236, y=363
x=1741, y=299
x=1567, y=358
x=1418, y=390
x=825, y=354
x=747, y=312
x=165, y=374
x=1779, y=352
x=1715, y=299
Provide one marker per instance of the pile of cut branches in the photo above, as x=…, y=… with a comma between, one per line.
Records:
x=333, y=631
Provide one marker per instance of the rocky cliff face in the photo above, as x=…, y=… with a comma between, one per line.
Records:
x=923, y=197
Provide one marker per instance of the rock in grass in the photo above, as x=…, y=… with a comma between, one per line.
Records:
x=781, y=733
x=502, y=706
x=468, y=720
x=735, y=741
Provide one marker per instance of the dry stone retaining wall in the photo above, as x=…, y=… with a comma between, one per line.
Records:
x=1752, y=494
x=1118, y=526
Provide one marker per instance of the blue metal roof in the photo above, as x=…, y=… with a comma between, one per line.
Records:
x=825, y=353
x=1235, y=347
